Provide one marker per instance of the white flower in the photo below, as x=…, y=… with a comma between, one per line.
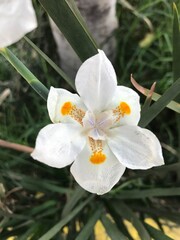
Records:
x=96, y=131
x=17, y=17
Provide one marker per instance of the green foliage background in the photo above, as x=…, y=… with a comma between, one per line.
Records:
x=36, y=200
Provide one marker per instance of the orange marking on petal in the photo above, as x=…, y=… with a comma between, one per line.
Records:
x=97, y=158
x=121, y=110
x=124, y=108
x=66, y=108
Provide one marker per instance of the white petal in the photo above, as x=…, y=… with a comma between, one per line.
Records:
x=56, y=99
x=57, y=145
x=96, y=82
x=129, y=96
x=135, y=147
x=97, y=178
x=17, y=18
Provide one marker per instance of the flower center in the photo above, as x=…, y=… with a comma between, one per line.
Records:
x=96, y=125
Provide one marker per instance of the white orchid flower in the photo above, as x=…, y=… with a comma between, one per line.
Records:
x=96, y=130
x=17, y=17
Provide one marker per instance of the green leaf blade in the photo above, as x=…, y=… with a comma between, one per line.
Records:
x=140, y=194
x=51, y=63
x=112, y=230
x=176, y=43
x=25, y=73
x=125, y=212
x=65, y=14
x=73, y=199
x=162, y=102
x=89, y=227
x=54, y=230
x=157, y=234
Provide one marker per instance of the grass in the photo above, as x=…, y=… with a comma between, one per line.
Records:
x=34, y=195
x=152, y=62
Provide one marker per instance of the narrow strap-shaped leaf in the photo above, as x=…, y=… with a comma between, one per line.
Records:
x=158, y=212
x=126, y=4
x=25, y=73
x=156, y=234
x=31, y=231
x=155, y=96
x=68, y=19
x=51, y=63
x=36, y=183
x=113, y=232
x=161, y=170
x=176, y=57
x=172, y=105
x=54, y=230
x=124, y=211
x=148, y=100
x=155, y=192
x=176, y=43
x=77, y=195
x=158, y=106
x=118, y=220
x=89, y=227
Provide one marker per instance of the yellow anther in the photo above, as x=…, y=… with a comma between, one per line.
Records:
x=121, y=110
x=75, y=113
x=124, y=108
x=97, y=158
x=66, y=108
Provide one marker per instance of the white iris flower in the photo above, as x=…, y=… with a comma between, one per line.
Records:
x=17, y=17
x=96, y=130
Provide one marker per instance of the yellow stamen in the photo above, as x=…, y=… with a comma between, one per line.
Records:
x=70, y=109
x=77, y=114
x=97, y=158
x=121, y=110
x=124, y=108
x=66, y=108
x=95, y=145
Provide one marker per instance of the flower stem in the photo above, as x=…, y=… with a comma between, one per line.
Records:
x=15, y=146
